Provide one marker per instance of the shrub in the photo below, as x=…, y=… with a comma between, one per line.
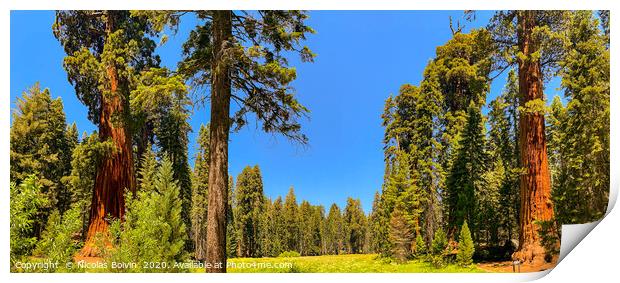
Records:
x=438, y=249
x=26, y=201
x=440, y=242
x=466, y=246
x=153, y=230
x=420, y=246
x=61, y=238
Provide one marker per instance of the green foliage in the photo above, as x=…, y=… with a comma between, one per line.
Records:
x=41, y=145
x=249, y=208
x=260, y=75
x=502, y=178
x=355, y=223
x=437, y=256
x=291, y=222
x=274, y=241
x=581, y=187
x=440, y=243
x=401, y=191
x=420, y=246
x=465, y=183
x=374, y=222
x=148, y=171
x=61, y=238
x=27, y=200
x=153, y=230
x=232, y=242
x=85, y=158
x=311, y=219
x=466, y=246
x=200, y=186
x=95, y=42
x=160, y=109
x=400, y=236
x=334, y=233
x=463, y=65
x=548, y=38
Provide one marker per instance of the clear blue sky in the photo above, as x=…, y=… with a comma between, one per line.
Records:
x=363, y=57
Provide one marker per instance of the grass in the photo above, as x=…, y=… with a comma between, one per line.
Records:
x=357, y=263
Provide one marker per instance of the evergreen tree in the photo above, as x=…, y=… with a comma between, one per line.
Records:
x=291, y=222
x=334, y=230
x=318, y=217
x=382, y=226
x=40, y=144
x=400, y=236
x=585, y=77
x=355, y=221
x=438, y=248
x=200, y=182
x=420, y=246
x=160, y=109
x=374, y=225
x=466, y=246
x=148, y=171
x=430, y=148
x=401, y=189
x=503, y=148
x=460, y=72
x=232, y=242
x=277, y=224
x=265, y=225
x=153, y=230
x=249, y=208
x=556, y=148
x=310, y=229
x=465, y=182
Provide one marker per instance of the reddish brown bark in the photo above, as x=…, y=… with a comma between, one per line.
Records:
x=218, y=147
x=115, y=172
x=535, y=183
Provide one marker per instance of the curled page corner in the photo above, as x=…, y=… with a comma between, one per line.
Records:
x=573, y=234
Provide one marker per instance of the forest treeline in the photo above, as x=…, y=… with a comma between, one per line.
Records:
x=463, y=178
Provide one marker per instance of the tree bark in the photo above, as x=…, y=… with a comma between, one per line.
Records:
x=535, y=185
x=115, y=172
x=218, y=147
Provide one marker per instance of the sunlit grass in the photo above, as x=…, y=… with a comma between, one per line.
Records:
x=357, y=263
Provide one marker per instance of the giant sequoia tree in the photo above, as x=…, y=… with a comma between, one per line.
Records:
x=533, y=40
x=105, y=51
